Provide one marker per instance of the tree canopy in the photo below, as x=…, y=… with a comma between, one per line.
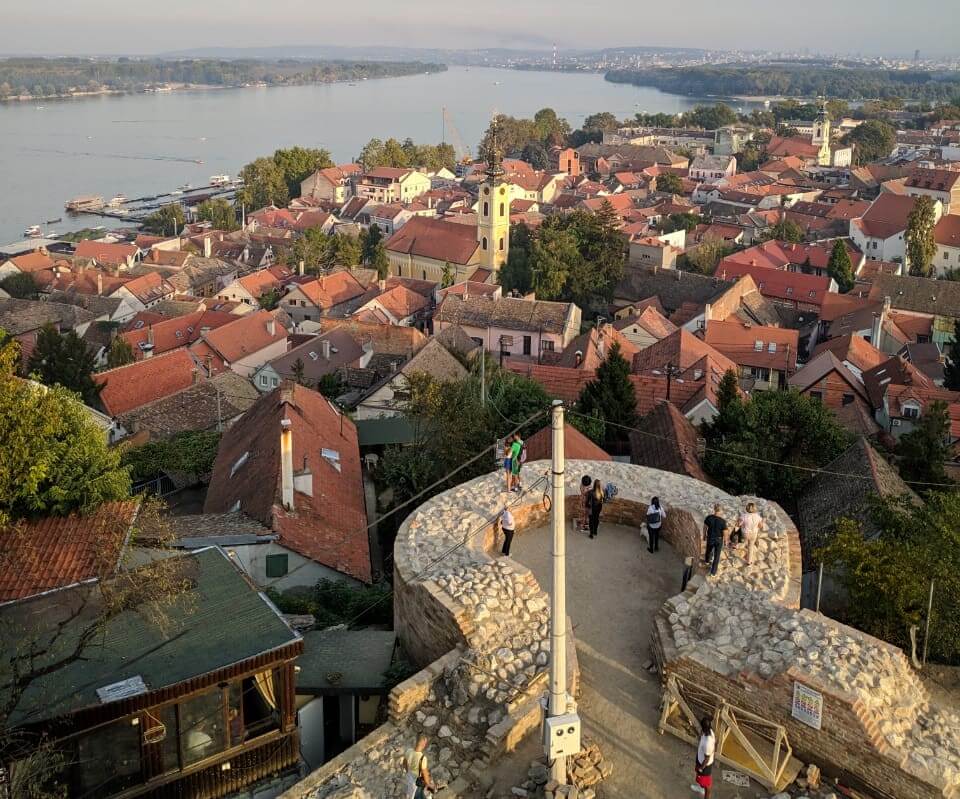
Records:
x=514, y=134
x=922, y=453
x=55, y=459
x=951, y=368
x=20, y=285
x=64, y=360
x=872, y=140
x=393, y=153
x=610, y=397
x=168, y=220
x=750, y=441
x=221, y=214
x=669, y=183
x=921, y=246
x=274, y=180
x=840, y=268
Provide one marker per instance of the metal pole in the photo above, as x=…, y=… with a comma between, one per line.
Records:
x=483, y=376
x=819, y=585
x=558, y=598
x=219, y=412
x=926, y=632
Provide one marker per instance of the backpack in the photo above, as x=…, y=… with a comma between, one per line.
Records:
x=523, y=452
x=654, y=518
x=610, y=491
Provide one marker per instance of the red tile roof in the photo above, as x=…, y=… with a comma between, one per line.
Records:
x=435, y=239
x=332, y=289
x=819, y=367
x=104, y=253
x=181, y=331
x=784, y=146
x=32, y=262
x=128, y=387
x=401, y=302
x=247, y=335
x=149, y=288
x=947, y=231
x=793, y=286
x=681, y=349
x=666, y=439
x=887, y=216
x=575, y=445
x=739, y=342
x=328, y=527
x=853, y=349
x=943, y=180
x=58, y=551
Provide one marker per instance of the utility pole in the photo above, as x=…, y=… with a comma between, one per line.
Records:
x=219, y=411
x=558, y=597
x=483, y=376
x=926, y=632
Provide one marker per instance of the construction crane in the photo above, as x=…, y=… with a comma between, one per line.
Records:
x=463, y=154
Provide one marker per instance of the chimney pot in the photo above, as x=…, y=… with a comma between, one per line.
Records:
x=325, y=348
x=286, y=463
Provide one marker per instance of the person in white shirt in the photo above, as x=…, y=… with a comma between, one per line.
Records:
x=750, y=524
x=508, y=528
x=705, y=754
x=655, y=517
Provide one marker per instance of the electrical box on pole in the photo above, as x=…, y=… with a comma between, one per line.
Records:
x=561, y=736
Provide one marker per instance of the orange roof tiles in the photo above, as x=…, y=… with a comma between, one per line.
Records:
x=128, y=387
x=247, y=335
x=576, y=445
x=739, y=341
x=106, y=253
x=32, y=262
x=181, y=331
x=333, y=289
x=853, y=349
x=435, y=239
x=58, y=551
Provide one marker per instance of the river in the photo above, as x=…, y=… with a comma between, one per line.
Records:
x=145, y=144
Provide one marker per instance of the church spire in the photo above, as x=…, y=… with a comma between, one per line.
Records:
x=494, y=168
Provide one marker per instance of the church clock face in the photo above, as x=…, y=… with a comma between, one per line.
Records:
x=486, y=190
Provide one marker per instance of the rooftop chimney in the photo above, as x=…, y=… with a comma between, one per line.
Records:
x=207, y=247
x=150, y=335
x=301, y=268
x=325, y=348
x=286, y=463
x=99, y=284
x=382, y=284
x=272, y=327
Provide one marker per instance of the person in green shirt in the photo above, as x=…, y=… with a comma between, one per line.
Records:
x=516, y=452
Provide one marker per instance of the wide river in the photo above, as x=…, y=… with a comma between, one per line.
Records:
x=145, y=144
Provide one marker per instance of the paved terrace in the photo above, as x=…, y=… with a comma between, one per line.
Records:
x=481, y=623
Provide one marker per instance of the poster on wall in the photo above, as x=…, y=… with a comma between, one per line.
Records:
x=807, y=705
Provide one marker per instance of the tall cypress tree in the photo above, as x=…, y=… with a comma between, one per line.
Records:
x=611, y=397
x=951, y=369
x=840, y=268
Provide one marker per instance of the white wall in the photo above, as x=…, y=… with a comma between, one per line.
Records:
x=252, y=558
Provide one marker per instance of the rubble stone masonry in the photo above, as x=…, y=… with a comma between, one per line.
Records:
x=479, y=624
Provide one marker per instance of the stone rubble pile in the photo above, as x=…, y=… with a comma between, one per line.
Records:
x=585, y=771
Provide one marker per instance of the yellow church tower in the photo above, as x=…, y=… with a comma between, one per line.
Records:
x=493, y=217
x=821, y=136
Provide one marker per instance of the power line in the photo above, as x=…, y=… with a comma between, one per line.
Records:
x=811, y=469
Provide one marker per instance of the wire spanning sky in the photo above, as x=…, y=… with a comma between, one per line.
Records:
x=885, y=27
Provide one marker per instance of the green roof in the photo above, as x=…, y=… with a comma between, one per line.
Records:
x=221, y=620
x=384, y=430
x=359, y=656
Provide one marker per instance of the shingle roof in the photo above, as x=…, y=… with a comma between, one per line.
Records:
x=343, y=351
x=194, y=408
x=828, y=498
x=920, y=294
x=195, y=639
x=328, y=527
x=57, y=551
x=739, y=342
x=819, y=367
x=361, y=657
x=509, y=313
x=673, y=287
x=22, y=316
x=435, y=360
x=435, y=239
x=666, y=439
x=128, y=387
x=386, y=339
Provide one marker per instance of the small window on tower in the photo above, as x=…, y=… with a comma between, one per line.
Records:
x=501, y=242
x=501, y=209
x=484, y=242
x=486, y=209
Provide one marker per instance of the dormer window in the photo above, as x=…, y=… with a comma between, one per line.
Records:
x=911, y=410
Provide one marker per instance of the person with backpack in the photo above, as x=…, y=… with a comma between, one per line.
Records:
x=595, y=505
x=518, y=456
x=655, y=517
x=508, y=461
x=417, y=781
x=714, y=526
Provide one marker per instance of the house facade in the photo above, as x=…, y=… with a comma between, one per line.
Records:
x=392, y=185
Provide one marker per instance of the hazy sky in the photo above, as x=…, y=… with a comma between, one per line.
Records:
x=139, y=26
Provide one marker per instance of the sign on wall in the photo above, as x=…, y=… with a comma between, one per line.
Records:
x=807, y=705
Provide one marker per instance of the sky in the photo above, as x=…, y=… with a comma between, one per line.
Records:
x=139, y=27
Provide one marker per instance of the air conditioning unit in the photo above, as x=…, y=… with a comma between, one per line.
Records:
x=895, y=422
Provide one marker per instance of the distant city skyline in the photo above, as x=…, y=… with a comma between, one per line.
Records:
x=869, y=27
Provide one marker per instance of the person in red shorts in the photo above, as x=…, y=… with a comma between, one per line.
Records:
x=705, y=754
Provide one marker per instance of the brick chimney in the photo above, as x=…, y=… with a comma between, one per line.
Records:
x=286, y=463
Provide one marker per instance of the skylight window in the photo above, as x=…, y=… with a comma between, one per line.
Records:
x=240, y=461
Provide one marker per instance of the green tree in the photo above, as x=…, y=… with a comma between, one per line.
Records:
x=536, y=155
x=331, y=385
x=686, y=221
x=312, y=247
x=669, y=183
x=449, y=275
x=269, y=300
x=370, y=240
x=704, y=258
x=922, y=453
x=344, y=250
x=785, y=230
x=887, y=578
x=220, y=213
x=921, y=246
x=298, y=372
x=840, y=268
x=298, y=163
x=515, y=274
x=602, y=257
x=751, y=444
x=750, y=157
x=64, y=360
x=55, y=459
x=610, y=396
x=191, y=453
x=951, y=367
x=603, y=121
x=872, y=140
x=264, y=183
x=710, y=117
x=380, y=262
x=388, y=153
x=168, y=220
x=20, y=285
x=120, y=353
x=550, y=128
x=553, y=256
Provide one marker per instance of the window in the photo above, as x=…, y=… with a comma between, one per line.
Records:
x=486, y=208
x=760, y=373
x=758, y=345
x=277, y=565
x=789, y=289
x=911, y=412
x=108, y=758
x=483, y=243
x=240, y=461
x=848, y=399
x=502, y=208
x=817, y=395
x=202, y=727
x=274, y=382
x=526, y=345
x=501, y=244
x=263, y=380
x=772, y=346
x=946, y=256
x=546, y=346
x=812, y=293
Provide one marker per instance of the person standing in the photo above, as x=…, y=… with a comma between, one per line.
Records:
x=714, y=526
x=508, y=528
x=584, y=507
x=595, y=505
x=705, y=755
x=655, y=517
x=508, y=461
x=517, y=456
x=750, y=525
x=417, y=775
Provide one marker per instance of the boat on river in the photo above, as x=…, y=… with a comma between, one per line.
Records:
x=88, y=202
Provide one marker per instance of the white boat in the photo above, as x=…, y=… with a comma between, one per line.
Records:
x=219, y=180
x=85, y=203
x=186, y=187
x=120, y=199
x=175, y=192
x=33, y=231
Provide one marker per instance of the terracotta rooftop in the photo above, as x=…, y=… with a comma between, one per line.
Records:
x=180, y=331
x=327, y=524
x=947, y=231
x=755, y=345
x=509, y=313
x=666, y=439
x=681, y=349
x=32, y=262
x=435, y=239
x=887, y=216
x=576, y=446
x=779, y=284
x=105, y=253
x=333, y=289
x=128, y=387
x=58, y=551
x=247, y=335
x=819, y=367
x=853, y=349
